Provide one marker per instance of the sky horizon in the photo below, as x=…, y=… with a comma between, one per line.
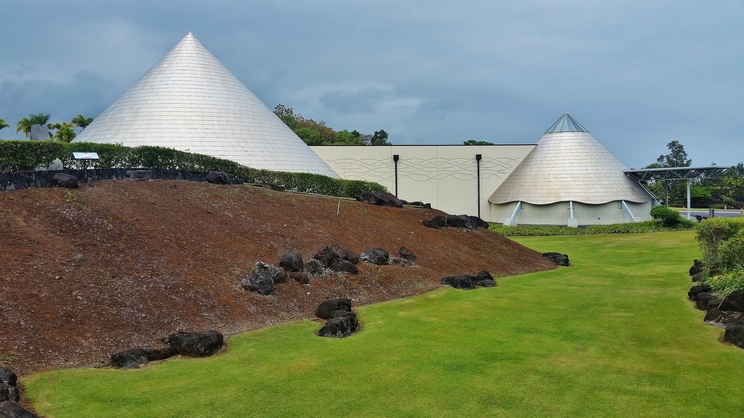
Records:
x=637, y=75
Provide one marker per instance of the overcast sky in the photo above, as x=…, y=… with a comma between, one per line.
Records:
x=636, y=74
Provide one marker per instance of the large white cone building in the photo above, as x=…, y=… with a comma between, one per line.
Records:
x=189, y=101
x=570, y=178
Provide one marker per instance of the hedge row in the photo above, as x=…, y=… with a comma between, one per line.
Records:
x=625, y=228
x=25, y=155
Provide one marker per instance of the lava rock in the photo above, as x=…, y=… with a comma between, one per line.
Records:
x=341, y=324
x=300, y=277
x=721, y=318
x=291, y=262
x=435, y=222
x=259, y=284
x=479, y=223
x=733, y=302
x=461, y=221
x=400, y=262
x=136, y=175
x=698, y=277
x=8, y=376
x=314, y=268
x=136, y=357
x=13, y=410
x=326, y=256
x=342, y=266
x=218, y=177
x=701, y=300
x=557, y=258
x=407, y=254
x=465, y=282
x=9, y=393
x=697, y=289
x=376, y=256
x=735, y=334
x=697, y=267
x=379, y=199
x=344, y=254
x=65, y=180
x=195, y=344
x=263, y=279
x=326, y=308
x=484, y=279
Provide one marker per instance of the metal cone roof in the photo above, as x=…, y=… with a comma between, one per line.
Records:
x=569, y=166
x=189, y=101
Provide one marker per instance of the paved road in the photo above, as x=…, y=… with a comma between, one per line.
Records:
x=720, y=213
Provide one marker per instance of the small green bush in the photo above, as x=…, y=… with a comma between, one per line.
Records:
x=668, y=217
x=732, y=251
x=711, y=235
x=726, y=282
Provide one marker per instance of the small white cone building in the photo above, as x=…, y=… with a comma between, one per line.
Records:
x=570, y=178
x=189, y=101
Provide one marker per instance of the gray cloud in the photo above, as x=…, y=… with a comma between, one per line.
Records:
x=637, y=74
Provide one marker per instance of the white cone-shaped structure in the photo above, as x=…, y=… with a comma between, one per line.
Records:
x=189, y=101
x=571, y=179
x=569, y=164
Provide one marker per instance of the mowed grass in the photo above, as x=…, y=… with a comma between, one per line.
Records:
x=613, y=335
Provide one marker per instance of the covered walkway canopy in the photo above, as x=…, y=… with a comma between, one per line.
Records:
x=670, y=174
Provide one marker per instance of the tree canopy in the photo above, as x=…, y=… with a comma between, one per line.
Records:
x=677, y=156
x=474, y=142
x=317, y=133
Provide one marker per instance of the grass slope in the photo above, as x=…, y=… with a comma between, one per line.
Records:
x=613, y=335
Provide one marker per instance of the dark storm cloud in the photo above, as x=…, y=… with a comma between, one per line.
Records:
x=637, y=74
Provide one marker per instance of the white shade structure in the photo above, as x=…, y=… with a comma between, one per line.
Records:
x=189, y=101
x=570, y=174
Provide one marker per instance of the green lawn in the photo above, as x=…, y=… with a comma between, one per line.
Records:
x=613, y=335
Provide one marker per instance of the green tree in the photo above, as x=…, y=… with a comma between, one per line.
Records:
x=474, y=142
x=3, y=124
x=287, y=115
x=379, y=138
x=81, y=121
x=38, y=119
x=348, y=138
x=677, y=156
x=65, y=132
x=24, y=125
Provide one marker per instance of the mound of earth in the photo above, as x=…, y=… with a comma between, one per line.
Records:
x=114, y=265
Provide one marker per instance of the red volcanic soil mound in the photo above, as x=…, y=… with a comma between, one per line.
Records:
x=114, y=265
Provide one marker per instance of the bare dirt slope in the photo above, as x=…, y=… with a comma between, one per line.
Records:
x=115, y=265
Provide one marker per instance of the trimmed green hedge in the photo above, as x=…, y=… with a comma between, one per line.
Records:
x=626, y=228
x=29, y=154
x=26, y=155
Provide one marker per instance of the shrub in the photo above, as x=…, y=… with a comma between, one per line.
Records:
x=731, y=252
x=668, y=217
x=711, y=236
x=29, y=154
x=26, y=155
x=624, y=228
x=726, y=282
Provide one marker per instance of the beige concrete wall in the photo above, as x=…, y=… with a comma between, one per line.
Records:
x=558, y=213
x=443, y=175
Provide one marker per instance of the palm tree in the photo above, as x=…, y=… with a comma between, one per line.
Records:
x=81, y=121
x=3, y=124
x=24, y=125
x=38, y=119
x=65, y=131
